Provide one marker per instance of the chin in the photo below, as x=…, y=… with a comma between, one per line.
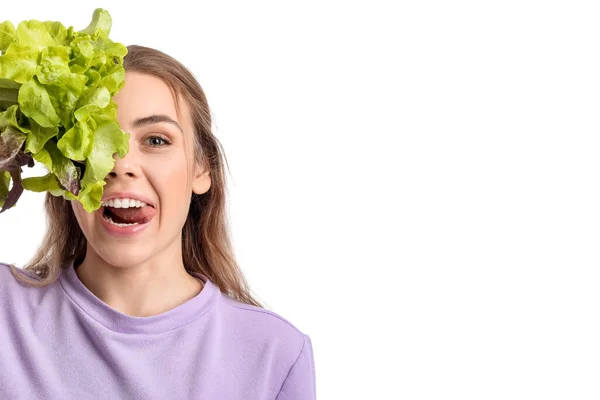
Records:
x=124, y=256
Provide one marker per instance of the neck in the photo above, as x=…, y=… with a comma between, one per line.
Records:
x=149, y=288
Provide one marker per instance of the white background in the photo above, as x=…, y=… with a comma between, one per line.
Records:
x=413, y=184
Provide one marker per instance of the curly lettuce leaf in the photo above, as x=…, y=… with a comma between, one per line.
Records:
x=34, y=34
x=7, y=35
x=38, y=137
x=19, y=63
x=44, y=183
x=65, y=92
x=100, y=25
x=35, y=103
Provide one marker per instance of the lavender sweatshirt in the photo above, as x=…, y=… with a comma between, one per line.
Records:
x=62, y=342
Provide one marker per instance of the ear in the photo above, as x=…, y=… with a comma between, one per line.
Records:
x=202, y=180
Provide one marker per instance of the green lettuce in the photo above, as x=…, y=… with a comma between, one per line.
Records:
x=56, y=108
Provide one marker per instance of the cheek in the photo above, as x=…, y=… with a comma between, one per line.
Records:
x=77, y=209
x=172, y=184
x=173, y=175
x=83, y=218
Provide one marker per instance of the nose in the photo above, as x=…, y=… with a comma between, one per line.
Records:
x=127, y=166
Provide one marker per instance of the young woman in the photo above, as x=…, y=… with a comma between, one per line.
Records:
x=143, y=299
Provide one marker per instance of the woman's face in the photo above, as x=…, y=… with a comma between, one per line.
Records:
x=155, y=167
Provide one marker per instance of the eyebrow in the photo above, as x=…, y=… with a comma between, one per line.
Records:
x=155, y=119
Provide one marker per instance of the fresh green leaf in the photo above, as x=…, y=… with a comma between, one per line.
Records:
x=108, y=139
x=100, y=25
x=91, y=196
x=76, y=143
x=63, y=168
x=54, y=62
x=43, y=157
x=44, y=183
x=64, y=93
x=10, y=118
x=38, y=137
x=9, y=93
x=34, y=34
x=35, y=103
x=19, y=63
x=92, y=101
x=58, y=32
x=7, y=35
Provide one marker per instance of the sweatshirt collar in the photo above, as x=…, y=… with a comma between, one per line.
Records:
x=114, y=320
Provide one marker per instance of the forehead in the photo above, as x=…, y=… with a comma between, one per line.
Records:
x=145, y=95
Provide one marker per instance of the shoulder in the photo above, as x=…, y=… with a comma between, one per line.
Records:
x=268, y=338
x=7, y=276
x=13, y=290
x=16, y=297
x=263, y=325
x=255, y=315
x=290, y=350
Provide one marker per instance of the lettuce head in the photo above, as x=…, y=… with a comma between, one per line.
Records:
x=56, y=108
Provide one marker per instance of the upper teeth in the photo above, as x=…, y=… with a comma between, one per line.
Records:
x=123, y=203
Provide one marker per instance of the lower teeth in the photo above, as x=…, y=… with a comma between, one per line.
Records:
x=117, y=224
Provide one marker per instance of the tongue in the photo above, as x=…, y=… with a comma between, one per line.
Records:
x=131, y=215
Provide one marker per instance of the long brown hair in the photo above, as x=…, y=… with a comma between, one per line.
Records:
x=206, y=244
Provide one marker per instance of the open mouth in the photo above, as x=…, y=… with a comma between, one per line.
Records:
x=128, y=216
